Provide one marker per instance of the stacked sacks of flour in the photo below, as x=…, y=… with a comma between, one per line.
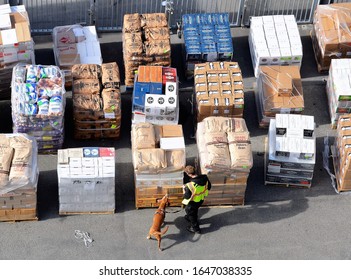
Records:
x=146, y=41
x=158, y=160
x=18, y=177
x=225, y=156
x=38, y=104
x=96, y=101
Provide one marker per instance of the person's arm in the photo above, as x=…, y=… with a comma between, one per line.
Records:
x=208, y=184
x=186, y=192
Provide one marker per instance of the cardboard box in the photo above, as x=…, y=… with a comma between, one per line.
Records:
x=171, y=131
x=9, y=36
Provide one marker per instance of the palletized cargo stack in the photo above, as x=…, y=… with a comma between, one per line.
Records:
x=331, y=36
x=96, y=101
x=155, y=95
x=86, y=179
x=339, y=89
x=219, y=90
x=290, y=153
x=38, y=104
x=18, y=177
x=225, y=156
x=146, y=41
x=279, y=90
x=341, y=153
x=158, y=160
x=16, y=44
x=75, y=44
x=207, y=37
x=274, y=40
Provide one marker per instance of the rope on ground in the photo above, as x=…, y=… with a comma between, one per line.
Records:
x=83, y=236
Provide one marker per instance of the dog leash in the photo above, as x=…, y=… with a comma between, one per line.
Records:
x=176, y=211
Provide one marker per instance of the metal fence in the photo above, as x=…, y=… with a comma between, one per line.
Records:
x=107, y=15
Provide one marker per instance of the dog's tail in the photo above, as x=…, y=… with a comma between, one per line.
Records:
x=162, y=232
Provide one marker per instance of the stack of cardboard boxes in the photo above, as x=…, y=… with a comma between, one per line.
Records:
x=207, y=37
x=146, y=41
x=86, y=180
x=279, y=90
x=290, y=153
x=75, y=44
x=274, y=40
x=219, y=90
x=16, y=44
x=339, y=89
x=18, y=177
x=225, y=156
x=341, y=153
x=38, y=104
x=155, y=95
x=96, y=101
x=331, y=36
x=158, y=160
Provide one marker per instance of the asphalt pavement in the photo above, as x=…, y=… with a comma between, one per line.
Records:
x=276, y=223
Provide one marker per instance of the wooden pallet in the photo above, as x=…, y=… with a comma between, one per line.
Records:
x=65, y=213
x=16, y=215
x=321, y=69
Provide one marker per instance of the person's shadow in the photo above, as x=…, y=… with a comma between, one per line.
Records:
x=255, y=213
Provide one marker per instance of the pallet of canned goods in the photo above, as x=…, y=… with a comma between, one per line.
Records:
x=18, y=177
x=38, y=104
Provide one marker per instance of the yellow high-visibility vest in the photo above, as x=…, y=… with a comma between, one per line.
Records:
x=198, y=193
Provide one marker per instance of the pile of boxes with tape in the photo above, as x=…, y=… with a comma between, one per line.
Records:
x=274, y=40
x=158, y=159
x=86, y=179
x=207, y=37
x=75, y=44
x=146, y=41
x=342, y=154
x=219, y=90
x=16, y=44
x=155, y=95
x=290, y=152
x=331, y=36
x=38, y=102
x=279, y=90
x=339, y=89
x=225, y=156
x=96, y=101
x=18, y=177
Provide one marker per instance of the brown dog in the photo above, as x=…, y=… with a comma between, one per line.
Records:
x=158, y=220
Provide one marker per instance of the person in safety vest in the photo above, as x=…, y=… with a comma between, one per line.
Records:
x=195, y=190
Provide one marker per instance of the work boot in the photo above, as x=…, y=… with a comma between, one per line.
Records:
x=193, y=230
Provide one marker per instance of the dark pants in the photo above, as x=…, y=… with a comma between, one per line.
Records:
x=191, y=211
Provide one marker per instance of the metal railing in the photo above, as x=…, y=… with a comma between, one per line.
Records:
x=107, y=15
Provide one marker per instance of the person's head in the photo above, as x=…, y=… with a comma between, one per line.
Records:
x=190, y=170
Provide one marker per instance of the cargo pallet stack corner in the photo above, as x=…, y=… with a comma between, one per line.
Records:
x=290, y=151
x=279, y=90
x=75, y=44
x=155, y=95
x=341, y=153
x=16, y=44
x=96, y=101
x=158, y=160
x=146, y=41
x=339, y=89
x=207, y=38
x=86, y=178
x=330, y=38
x=225, y=156
x=18, y=178
x=38, y=104
x=219, y=90
x=274, y=40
